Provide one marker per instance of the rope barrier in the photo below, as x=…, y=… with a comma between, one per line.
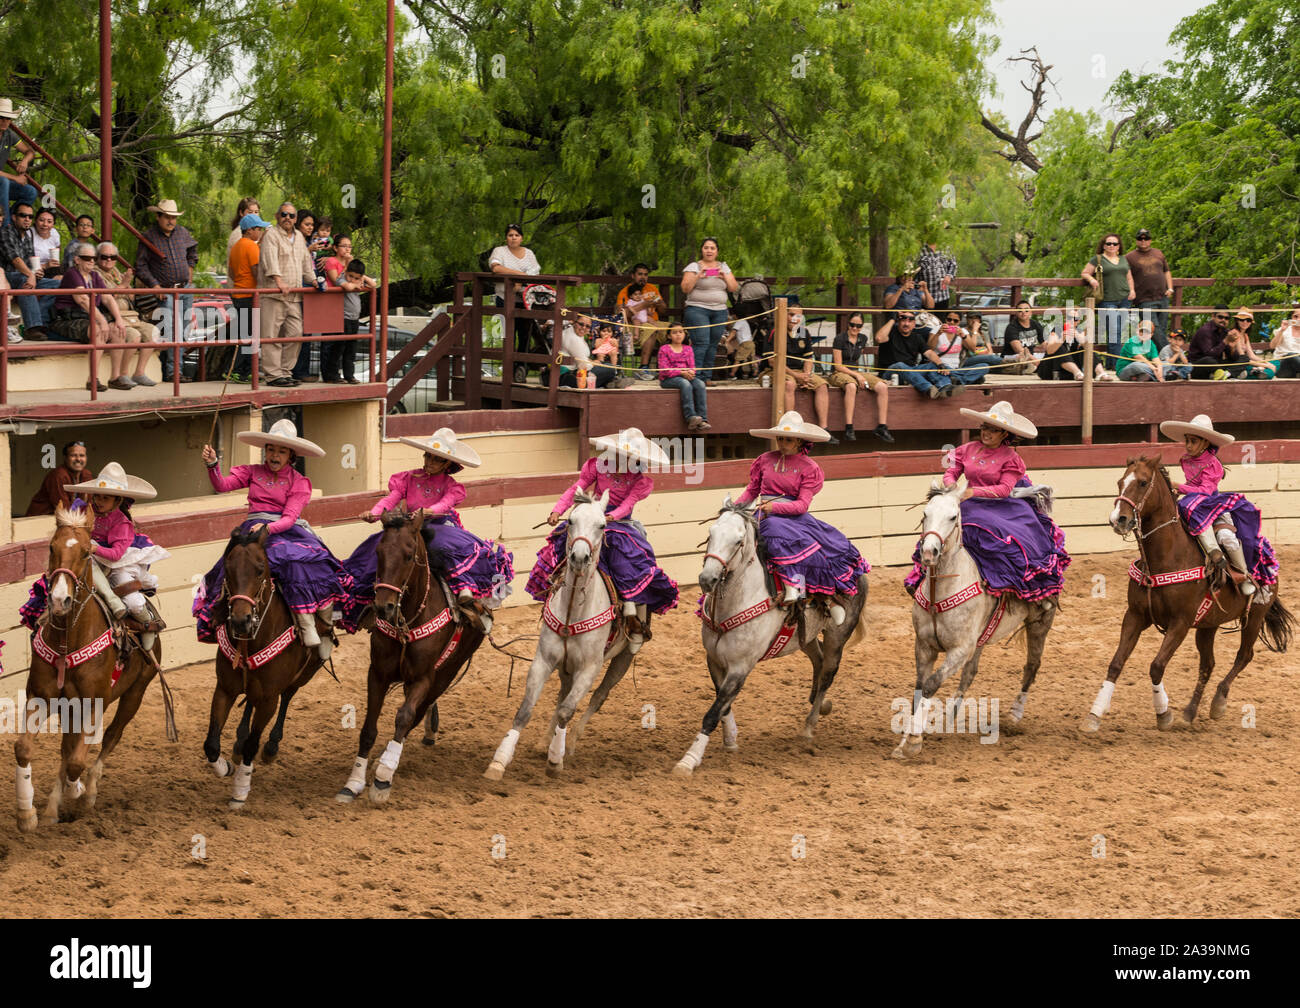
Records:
x=663, y=326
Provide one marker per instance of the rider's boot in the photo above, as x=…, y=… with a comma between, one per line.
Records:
x=115, y=605
x=143, y=620
x=790, y=597
x=307, y=629
x=1232, y=547
x=475, y=608
x=635, y=628
x=1211, y=547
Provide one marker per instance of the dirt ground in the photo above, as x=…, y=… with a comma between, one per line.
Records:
x=1132, y=822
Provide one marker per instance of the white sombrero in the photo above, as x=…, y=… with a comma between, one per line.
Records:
x=113, y=481
x=444, y=444
x=632, y=444
x=1200, y=426
x=1003, y=416
x=792, y=425
x=285, y=434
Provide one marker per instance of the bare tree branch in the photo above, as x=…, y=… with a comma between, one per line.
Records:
x=1021, y=152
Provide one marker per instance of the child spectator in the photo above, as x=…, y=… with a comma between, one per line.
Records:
x=739, y=345
x=1138, y=359
x=1174, y=357
x=677, y=371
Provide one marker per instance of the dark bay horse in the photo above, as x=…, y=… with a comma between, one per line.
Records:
x=259, y=656
x=72, y=675
x=418, y=640
x=1179, y=592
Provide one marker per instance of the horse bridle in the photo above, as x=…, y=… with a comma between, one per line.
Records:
x=725, y=564
x=421, y=559
x=259, y=605
x=1137, y=507
x=930, y=569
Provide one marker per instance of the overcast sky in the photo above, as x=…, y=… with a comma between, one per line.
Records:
x=1100, y=37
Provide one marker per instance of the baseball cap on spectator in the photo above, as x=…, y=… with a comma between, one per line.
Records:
x=1143, y=233
x=1178, y=334
x=252, y=220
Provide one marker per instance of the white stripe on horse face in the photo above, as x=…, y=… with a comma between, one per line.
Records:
x=59, y=593
x=1123, y=492
x=70, y=543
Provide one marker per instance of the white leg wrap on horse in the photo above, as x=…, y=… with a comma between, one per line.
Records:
x=357, y=781
x=1159, y=698
x=1018, y=708
x=730, y=733
x=555, y=752
x=23, y=784
x=220, y=766
x=506, y=750
x=243, y=782
x=1101, y=706
x=695, y=754
x=307, y=628
x=387, y=765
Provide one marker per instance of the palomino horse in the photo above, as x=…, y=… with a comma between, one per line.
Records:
x=1174, y=589
x=418, y=640
x=580, y=630
x=952, y=613
x=743, y=625
x=259, y=656
x=73, y=661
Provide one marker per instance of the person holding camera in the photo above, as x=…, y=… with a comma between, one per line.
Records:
x=706, y=283
x=907, y=292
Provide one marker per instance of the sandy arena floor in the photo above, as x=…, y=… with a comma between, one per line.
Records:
x=1046, y=823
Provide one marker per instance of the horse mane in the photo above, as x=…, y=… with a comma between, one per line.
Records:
x=66, y=518
x=397, y=518
x=241, y=538
x=582, y=497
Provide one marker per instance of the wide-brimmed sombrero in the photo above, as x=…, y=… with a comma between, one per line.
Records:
x=1003, y=416
x=632, y=444
x=792, y=425
x=285, y=434
x=1200, y=426
x=113, y=481
x=444, y=444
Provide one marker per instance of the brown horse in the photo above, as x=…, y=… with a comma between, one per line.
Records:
x=417, y=640
x=73, y=659
x=259, y=655
x=1177, y=592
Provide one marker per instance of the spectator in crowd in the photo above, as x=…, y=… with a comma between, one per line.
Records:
x=706, y=283
x=247, y=205
x=241, y=268
x=51, y=494
x=575, y=352
x=905, y=292
x=13, y=187
x=643, y=308
x=945, y=348
x=283, y=263
x=677, y=371
x=936, y=269
x=1239, y=357
x=515, y=259
x=1024, y=334
x=1173, y=357
x=46, y=243
x=83, y=230
x=1139, y=358
x=902, y=344
x=604, y=356
x=975, y=341
x=23, y=272
x=146, y=333
x=850, y=375
x=302, y=366
x=1285, y=344
x=800, y=371
x=340, y=273
x=72, y=316
x=321, y=239
x=174, y=267
x=1108, y=273
x=1153, y=284
x=741, y=352
x=1206, y=350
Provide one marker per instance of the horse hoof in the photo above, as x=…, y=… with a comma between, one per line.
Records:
x=1091, y=724
x=429, y=740
x=1218, y=707
x=683, y=769
x=345, y=797
x=495, y=771
x=380, y=791
x=554, y=769
x=1165, y=721
x=269, y=752
x=826, y=706
x=1189, y=717
x=27, y=820
x=732, y=746
x=907, y=749
x=235, y=805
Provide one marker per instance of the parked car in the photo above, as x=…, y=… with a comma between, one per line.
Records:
x=978, y=301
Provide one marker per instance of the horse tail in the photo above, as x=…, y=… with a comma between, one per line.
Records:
x=860, y=631
x=1279, y=627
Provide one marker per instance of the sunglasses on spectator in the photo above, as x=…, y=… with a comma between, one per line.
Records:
x=110, y=258
x=1111, y=243
x=291, y=216
x=855, y=325
x=954, y=319
x=23, y=216
x=907, y=318
x=1223, y=316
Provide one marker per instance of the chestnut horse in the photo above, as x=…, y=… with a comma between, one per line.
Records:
x=73, y=658
x=417, y=640
x=259, y=656
x=1194, y=595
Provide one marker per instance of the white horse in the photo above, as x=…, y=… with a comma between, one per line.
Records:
x=576, y=627
x=952, y=613
x=745, y=625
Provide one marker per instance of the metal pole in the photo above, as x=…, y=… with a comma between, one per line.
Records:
x=1090, y=334
x=778, y=364
x=388, y=191
x=105, y=120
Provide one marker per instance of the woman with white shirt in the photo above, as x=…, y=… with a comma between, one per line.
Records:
x=46, y=242
x=706, y=283
x=514, y=259
x=1285, y=345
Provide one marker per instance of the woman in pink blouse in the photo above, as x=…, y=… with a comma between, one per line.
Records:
x=1016, y=545
x=306, y=572
x=122, y=554
x=804, y=555
x=619, y=467
x=479, y=572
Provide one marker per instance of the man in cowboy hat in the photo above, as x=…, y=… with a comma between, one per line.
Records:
x=174, y=267
x=13, y=186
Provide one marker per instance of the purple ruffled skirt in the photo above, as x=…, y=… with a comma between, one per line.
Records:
x=805, y=551
x=1199, y=512
x=626, y=556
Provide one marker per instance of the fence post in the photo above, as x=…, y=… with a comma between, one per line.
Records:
x=508, y=345
x=778, y=364
x=474, y=347
x=1085, y=420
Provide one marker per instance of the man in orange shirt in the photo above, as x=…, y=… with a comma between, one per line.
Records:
x=640, y=304
x=242, y=269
